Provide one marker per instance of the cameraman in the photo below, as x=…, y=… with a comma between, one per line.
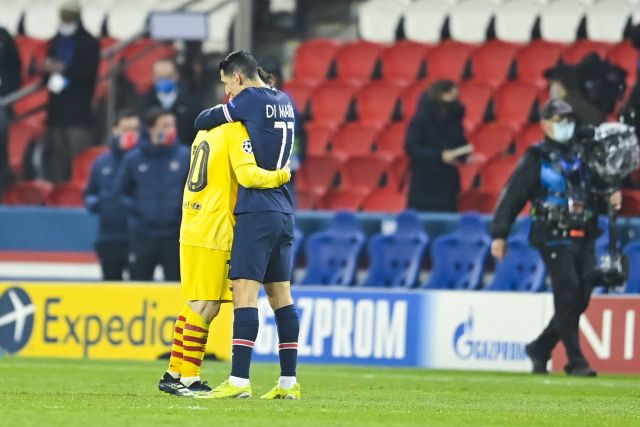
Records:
x=564, y=227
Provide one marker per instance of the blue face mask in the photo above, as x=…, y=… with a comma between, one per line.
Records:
x=563, y=131
x=166, y=86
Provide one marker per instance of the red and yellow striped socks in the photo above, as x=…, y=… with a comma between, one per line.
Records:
x=175, y=361
x=194, y=338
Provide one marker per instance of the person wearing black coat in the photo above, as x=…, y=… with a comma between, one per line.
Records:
x=101, y=198
x=71, y=70
x=151, y=184
x=174, y=96
x=433, y=134
x=9, y=82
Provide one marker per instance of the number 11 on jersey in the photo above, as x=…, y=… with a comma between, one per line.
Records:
x=284, y=126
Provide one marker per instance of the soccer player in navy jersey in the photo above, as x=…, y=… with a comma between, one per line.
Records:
x=263, y=234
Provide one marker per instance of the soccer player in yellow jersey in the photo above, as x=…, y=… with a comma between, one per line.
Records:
x=221, y=159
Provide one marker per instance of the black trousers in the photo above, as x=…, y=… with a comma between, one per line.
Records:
x=114, y=257
x=569, y=267
x=146, y=253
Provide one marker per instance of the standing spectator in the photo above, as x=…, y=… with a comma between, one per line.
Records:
x=101, y=198
x=9, y=82
x=151, y=183
x=434, y=134
x=170, y=94
x=71, y=67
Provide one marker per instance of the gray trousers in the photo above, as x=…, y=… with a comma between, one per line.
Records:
x=63, y=143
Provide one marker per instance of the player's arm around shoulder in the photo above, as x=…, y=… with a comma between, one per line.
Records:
x=243, y=163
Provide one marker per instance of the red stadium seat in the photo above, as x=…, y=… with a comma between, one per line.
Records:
x=513, y=102
x=533, y=59
x=630, y=203
x=492, y=139
x=495, y=173
x=308, y=198
x=448, y=60
x=32, y=55
x=21, y=134
x=574, y=53
x=36, y=101
x=528, y=136
x=299, y=94
x=353, y=139
x=385, y=200
x=403, y=63
x=475, y=97
x=411, y=96
x=398, y=173
x=82, y=163
x=468, y=174
x=319, y=172
x=477, y=201
x=491, y=62
x=330, y=103
x=343, y=199
x=376, y=103
x=364, y=171
x=68, y=194
x=390, y=141
x=356, y=61
x=313, y=59
x=318, y=138
x=28, y=193
x=140, y=57
x=625, y=56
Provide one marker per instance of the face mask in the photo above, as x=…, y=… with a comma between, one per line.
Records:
x=563, y=131
x=68, y=28
x=167, y=138
x=128, y=140
x=165, y=86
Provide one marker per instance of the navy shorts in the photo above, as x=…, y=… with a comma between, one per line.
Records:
x=261, y=248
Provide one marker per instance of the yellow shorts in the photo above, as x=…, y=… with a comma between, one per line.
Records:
x=205, y=273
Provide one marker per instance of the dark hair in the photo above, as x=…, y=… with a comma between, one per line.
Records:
x=243, y=62
x=125, y=113
x=151, y=117
x=439, y=88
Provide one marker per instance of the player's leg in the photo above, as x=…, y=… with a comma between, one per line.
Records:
x=278, y=288
x=170, y=381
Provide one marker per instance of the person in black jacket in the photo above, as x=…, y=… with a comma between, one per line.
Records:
x=9, y=82
x=433, y=134
x=174, y=96
x=101, y=198
x=151, y=183
x=71, y=68
x=564, y=213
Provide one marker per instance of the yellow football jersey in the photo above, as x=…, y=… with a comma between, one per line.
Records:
x=212, y=188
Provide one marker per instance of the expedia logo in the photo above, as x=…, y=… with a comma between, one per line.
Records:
x=16, y=320
x=469, y=347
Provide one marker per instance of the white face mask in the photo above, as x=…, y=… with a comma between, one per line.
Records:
x=563, y=131
x=68, y=28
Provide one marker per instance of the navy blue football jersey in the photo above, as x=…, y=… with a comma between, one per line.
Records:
x=268, y=115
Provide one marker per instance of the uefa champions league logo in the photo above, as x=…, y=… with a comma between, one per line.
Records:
x=16, y=320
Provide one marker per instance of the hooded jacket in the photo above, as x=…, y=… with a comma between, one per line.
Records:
x=150, y=185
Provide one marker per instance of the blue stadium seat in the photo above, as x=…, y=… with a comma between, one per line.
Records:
x=632, y=250
x=459, y=257
x=395, y=259
x=298, y=238
x=521, y=270
x=332, y=255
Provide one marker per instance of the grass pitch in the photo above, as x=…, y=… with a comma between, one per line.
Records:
x=36, y=392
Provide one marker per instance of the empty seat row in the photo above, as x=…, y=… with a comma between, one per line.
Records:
x=513, y=20
x=458, y=259
x=404, y=62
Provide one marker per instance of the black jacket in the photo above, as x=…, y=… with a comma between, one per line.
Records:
x=525, y=185
x=9, y=64
x=186, y=108
x=72, y=106
x=434, y=184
